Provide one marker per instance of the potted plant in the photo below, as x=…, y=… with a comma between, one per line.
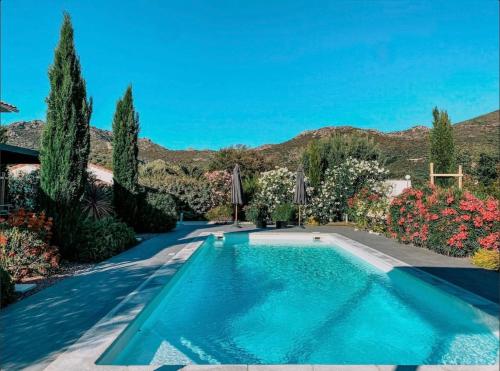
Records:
x=257, y=214
x=283, y=214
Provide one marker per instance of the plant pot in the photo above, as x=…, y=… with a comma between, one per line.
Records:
x=261, y=224
x=280, y=225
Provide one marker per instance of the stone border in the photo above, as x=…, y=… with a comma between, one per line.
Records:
x=84, y=354
x=92, y=346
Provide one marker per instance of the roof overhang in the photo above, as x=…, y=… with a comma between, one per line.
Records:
x=17, y=155
x=6, y=107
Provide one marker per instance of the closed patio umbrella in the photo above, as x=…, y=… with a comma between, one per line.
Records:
x=236, y=191
x=300, y=196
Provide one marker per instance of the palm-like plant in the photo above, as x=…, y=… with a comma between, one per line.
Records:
x=97, y=200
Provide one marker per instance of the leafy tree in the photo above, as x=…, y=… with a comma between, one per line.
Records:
x=251, y=161
x=312, y=162
x=125, y=162
x=329, y=152
x=441, y=142
x=486, y=170
x=65, y=141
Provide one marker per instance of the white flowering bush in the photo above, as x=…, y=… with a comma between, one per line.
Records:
x=276, y=187
x=340, y=184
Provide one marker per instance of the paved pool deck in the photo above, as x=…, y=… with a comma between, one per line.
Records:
x=34, y=331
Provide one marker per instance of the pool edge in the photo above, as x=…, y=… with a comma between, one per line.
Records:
x=84, y=355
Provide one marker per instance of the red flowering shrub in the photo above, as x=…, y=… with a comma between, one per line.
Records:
x=449, y=222
x=25, y=248
x=409, y=216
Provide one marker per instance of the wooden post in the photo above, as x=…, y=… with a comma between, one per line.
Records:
x=431, y=166
x=460, y=176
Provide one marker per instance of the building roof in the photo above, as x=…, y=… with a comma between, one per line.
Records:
x=17, y=155
x=6, y=107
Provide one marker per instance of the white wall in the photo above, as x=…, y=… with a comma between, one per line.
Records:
x=396, y=186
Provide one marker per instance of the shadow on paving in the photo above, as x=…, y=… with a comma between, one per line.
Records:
x=479, y=281
x=34, y=330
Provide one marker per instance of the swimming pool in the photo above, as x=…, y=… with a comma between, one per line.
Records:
x=295, y=301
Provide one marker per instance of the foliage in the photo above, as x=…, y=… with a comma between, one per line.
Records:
x=125, y=162
x=155, y=171
x=479, y=189
x=24, y=191
x=250, y=186
x=256, y=212
x=103, y=238
x=25, y=244
x=7, y=294
x=487, y=169
x=219, y=183
x=35, y=222
x=97, y=200
x=276, y=187
x=221, y=213
x=447, y=221
x=341, y=183
x=313, y=162
x=442, y=147
x=251, y=161
x=487, y=259
x=193, y=197
x=65, y=141
x=329, y=152
x=368, y=209
x=24, y=253
x=156, y=212
x=283, y=213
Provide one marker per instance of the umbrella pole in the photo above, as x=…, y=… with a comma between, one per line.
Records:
x=299, y=215
x=236, y=215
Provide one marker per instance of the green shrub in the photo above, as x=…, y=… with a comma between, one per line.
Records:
x=24, y=191
x=487, y=259
x=23, y=253
x=256, y=212
x=100, y=239
x=156, y=212
x=283, y=213
x=222, y=213
x=6, y=288
x=192, y=196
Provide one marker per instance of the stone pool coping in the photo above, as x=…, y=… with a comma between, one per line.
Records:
x=84, y=353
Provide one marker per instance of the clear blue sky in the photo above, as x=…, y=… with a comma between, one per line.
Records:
x=207, y=74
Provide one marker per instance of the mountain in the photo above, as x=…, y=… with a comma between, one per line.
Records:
x=406, y=151
x=28, y=133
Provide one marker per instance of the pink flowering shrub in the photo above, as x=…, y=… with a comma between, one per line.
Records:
x=219, y=183
x=449, y=222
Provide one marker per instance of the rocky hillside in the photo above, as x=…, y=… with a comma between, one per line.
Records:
x=406, y=150
x=28, y=134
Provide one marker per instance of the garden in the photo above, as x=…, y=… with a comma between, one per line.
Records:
x=62, y=215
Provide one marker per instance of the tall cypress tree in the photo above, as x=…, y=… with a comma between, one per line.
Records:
x=65, y=141
x=312, y=159
x=441, y=143
x=125, y=162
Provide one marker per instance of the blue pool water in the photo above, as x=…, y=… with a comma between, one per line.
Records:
x=293, y=303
